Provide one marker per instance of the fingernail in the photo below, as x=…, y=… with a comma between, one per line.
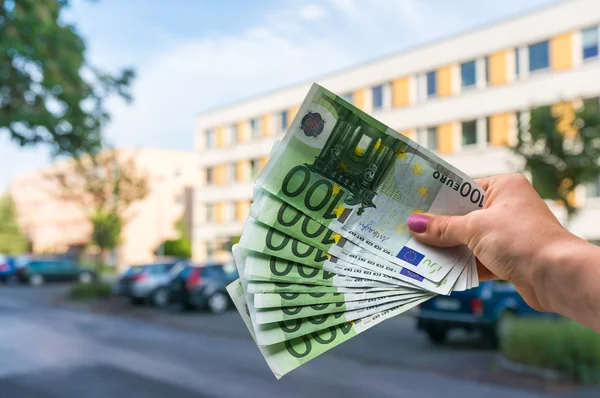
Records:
x=418, y=223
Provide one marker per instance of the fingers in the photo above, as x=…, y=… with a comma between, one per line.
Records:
x=437, y=230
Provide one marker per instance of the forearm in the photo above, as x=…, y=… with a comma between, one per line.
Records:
x=568, y=281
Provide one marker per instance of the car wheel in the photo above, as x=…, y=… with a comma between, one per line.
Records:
x=160, y=298
x=11, y=280
x=86, y=278
x=218, y=303
x=36, y=280
x=437, y=335
x=137, y=301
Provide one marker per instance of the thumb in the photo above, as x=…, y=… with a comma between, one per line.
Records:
x=438, y=230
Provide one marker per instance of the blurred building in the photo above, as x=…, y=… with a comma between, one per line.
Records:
x=56, y=225
x=464, y=97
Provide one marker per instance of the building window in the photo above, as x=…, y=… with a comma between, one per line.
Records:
x=232, y=177
x=210, y=175
x=592, y=104
x=210, y=212
x=517, y=62
x=347, y=97
x=486, y=66
x=255, y=128
x=431, y=84
x=467, y=74
x=377, y=97
x=590, y=42
x=432, y=138
x=283, y=118
x=211, y=139
x=233, y=133
x=469, y=133
x=254, y=168
x=539, y=56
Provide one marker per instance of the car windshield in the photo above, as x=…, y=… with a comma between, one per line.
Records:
x=134, y=270
x=157, y=269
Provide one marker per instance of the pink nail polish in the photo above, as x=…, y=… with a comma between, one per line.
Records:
x=418, y=223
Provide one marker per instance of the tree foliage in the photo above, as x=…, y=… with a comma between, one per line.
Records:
x=561, y=152
x=105, y=184
x=12, y=240
x=180, y=247
x=49, y=93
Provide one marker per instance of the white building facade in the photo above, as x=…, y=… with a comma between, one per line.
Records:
x=464, y=97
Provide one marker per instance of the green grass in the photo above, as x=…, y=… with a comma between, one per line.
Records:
x=556, y=344
x=99, y=289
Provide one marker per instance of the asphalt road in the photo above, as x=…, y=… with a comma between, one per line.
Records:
x=49, y=350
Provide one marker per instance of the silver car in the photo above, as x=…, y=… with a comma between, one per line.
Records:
x=148, y=283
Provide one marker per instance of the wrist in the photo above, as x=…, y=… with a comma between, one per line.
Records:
x=557, y=263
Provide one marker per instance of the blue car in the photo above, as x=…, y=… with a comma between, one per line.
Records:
x=7, y=268
x=486, y=309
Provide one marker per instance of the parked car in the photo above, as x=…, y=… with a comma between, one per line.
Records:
x=39, y=271
x=203, y=287
x=148, y=283
x=486, y=308
x=7, y=268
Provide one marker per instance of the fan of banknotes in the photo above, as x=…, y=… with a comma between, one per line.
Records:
x=326, y=253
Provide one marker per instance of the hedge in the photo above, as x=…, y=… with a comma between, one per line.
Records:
x=86, y=291
x=556, y=344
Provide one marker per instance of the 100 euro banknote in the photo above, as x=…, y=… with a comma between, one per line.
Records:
x=288, y=355
x=275, y=213
x=361, y=179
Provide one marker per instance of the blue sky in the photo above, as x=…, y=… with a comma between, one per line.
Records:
x=193, y=55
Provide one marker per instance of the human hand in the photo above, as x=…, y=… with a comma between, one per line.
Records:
x=511, y=236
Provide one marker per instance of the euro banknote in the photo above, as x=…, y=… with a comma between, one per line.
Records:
x=273, y=333
x=272, y=212
x=288, y=313
x=280, y=300
x=261, y=267
x=362, y=180
x=286, y=356
x=283, y=287
x=262, y=239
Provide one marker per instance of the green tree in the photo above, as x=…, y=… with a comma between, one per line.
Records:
x=180, y=247
x=49, y=92
x=561, y=151
x=105, y=184
x=12, y=240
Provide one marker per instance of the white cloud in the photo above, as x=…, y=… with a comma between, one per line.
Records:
x=191, y=76
x=312, y=12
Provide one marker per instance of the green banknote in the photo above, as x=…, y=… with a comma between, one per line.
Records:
x=362, y=180
x=287, y=356
x=260, y=238
x=279, y=300
x=282, y=287
x=288, y=313
x=273, y=333
x=266, y=268
x=275, y=213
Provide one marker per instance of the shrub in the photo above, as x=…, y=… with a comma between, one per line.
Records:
x=556, y=344
x=83, y=291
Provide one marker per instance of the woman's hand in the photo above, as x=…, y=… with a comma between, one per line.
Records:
x=513, y=237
